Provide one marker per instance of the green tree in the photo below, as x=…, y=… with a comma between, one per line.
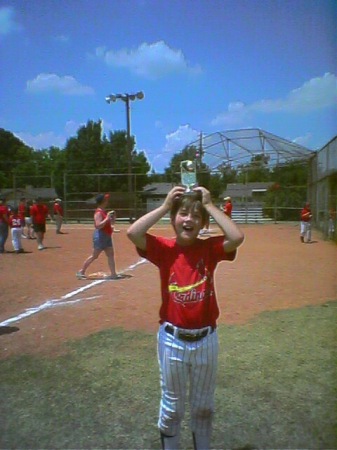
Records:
x=216, y=185
x=257, y=170
x=90, y=152
x=288, y=193
x=16, y=158
x=172, y=173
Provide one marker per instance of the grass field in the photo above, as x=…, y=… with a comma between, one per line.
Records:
x=276, y=389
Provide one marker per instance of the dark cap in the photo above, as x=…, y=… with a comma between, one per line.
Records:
x=99, y=199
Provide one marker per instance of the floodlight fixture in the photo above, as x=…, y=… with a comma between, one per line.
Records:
x=126, y=99
x=110, y=98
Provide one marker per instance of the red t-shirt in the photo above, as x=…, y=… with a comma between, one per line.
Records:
x=306, y=215
x=39, y=213
x=186, y=273
x=4, y=211
x=22, y=210
x=107, y=229
x=58, y=209
x=15, y=221
x=228, y=209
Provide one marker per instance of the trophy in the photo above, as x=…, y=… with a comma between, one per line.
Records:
x=188, y=171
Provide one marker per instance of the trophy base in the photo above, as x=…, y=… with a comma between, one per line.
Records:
x=190, y=193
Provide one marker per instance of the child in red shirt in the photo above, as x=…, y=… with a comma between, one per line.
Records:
x=39, y=213
x=306, y=223
x=187, y=338
x=58, y=215
x=15, y=225
x=228, y=207
x=102, y=238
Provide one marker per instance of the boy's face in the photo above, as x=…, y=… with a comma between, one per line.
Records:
x=187, y=223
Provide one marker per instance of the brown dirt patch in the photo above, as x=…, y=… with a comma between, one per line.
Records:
x=273, y=271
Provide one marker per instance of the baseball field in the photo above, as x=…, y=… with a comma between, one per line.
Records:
x=78, y=362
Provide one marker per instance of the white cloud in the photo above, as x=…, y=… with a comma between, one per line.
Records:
x=175, y=142
x=150, y=61
x=50, y=82
x=304, y=140
x=42, y=140
x=7, y=22
x=49, y=138
x=71, y=127
x=317, y=93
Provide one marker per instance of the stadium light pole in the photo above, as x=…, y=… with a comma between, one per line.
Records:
x=126, y=98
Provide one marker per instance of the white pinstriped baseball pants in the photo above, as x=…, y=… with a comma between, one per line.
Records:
x=182, y=365
x=306, y=230
x=16, y=238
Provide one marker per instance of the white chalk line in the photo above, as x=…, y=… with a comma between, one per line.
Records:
x=63, y=301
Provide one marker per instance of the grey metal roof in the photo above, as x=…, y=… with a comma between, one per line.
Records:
x=29, y=193
x=237, y=190
x=234, y=147
x=155, y=189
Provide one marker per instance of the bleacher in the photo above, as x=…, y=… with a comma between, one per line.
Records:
x=249, y=214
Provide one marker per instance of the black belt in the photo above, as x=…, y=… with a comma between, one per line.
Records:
x=186, y=336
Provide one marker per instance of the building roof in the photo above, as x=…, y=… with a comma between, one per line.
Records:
x=237, y=190
x=154, y=189
x=29, y=193
x=233, y=148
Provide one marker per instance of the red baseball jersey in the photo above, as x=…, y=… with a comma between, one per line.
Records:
x=228, y=209
x=108, y=229
x=22, y=210
x=57, y=209
x=187, y=279
x=306, y=214
x=39, y=213
x=4, y=211
x=15, y=221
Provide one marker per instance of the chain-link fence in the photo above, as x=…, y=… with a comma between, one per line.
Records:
x=286, y=203
x=323, y=188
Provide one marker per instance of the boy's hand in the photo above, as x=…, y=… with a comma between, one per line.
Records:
x=205, y=195
x=174, y=193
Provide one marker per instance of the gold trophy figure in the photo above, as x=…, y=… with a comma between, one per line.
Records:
x=188, y=171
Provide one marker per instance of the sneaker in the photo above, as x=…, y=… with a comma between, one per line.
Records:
x=40, y=247
x=80, y=276
x=118, y=276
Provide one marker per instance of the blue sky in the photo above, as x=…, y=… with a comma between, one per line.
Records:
x=203, y=65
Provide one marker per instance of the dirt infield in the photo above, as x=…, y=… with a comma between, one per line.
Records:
x=273, y=271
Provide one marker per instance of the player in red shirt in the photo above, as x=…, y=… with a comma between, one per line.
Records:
x=58, y=215
x=4, y=217
x=228, y=206
x=102, y=240
x=15, y=225
x=187, y=338
x=306, y=223
x=39, y=213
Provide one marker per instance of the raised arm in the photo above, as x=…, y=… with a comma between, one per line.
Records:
x=137, y=231
x=233, y=235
